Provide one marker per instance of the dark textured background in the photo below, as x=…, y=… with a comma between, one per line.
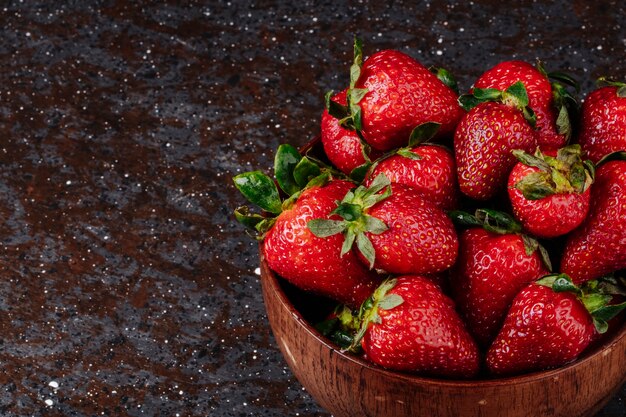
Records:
x=126, y=288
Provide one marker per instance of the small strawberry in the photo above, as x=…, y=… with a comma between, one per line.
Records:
x=291, y=250
x=497, y=123
x=342, y=146
x=410, y=325
x=603, y=121
x=598, y=246
x=395, y=230
x=390, y=94
x=550, y=323
x=429, y=169
x=550, y=192
x=551, y=102
x=495, y=262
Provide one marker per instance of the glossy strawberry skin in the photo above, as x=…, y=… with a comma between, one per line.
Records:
x=483, y=142
x=420, y=239
x=433, y=176
x=342, y=146
x=603, y=123
x=598, y=246
x=539, y=90
x=423, y=334
x=490, y=271
x=402, y=95
x=543, y=329
x=551, y=216
x=312, y=263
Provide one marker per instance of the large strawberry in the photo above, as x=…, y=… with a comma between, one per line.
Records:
x=603, y=121
x=390, y=94
x=429, y=169
x=342, y=146
x=598, y=246
x=290, y=249
x=551, y=101
x=497, y=123
x=395, y=230
x=550, y=323
x=495, y=262
x=410, y=325
x=550, y=191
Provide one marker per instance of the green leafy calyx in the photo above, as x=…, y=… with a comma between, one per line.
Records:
x=350, y=116
x=446, y=77
x=501, y=223
x=621, y=86
x=368, y=313
x=514, y=96
x=355, y=221
x=294, y=173
x=567, y=108
x=565, y=103
x=565, y=173
x=591, y=295
x=493, y=221
x=613, y=156
x=340, y=327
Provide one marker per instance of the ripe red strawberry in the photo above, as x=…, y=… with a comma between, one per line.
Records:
x=342, y=146
x=313, y=263
x=395, y=231
x=291, y=250
x=429, y=169
x=553, y=123
x=598, y=246
x=550, y=192
x=390, y=94
x=485, y=137
x=492, y=267
x=603, y=121
x=410, y=325
x=550, y=323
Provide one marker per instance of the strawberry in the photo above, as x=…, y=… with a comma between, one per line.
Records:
x=390, y=94
x=497, y=123
x=495, y=262
x=342, y=146
x=550, y=192
x=429, y=169
x=410, y=325
x=290, y=249
x=598, y=246
x=550, y=323
x=551, y=103
x=395, y=230
x=603, y=121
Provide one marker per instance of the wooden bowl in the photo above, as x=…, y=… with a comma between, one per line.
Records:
x=348, y=386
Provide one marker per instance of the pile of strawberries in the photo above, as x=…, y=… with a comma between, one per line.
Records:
x=499, y=257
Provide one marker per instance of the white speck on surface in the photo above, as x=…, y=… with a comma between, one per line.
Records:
x=257, y=271
x=53, y=384
x=49, y=402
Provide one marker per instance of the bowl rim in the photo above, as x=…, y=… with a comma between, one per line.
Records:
x=271, y=278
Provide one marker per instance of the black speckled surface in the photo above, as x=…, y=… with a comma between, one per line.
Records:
x=125, y=286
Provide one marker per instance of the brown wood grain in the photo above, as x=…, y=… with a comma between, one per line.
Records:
x=348, y=386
